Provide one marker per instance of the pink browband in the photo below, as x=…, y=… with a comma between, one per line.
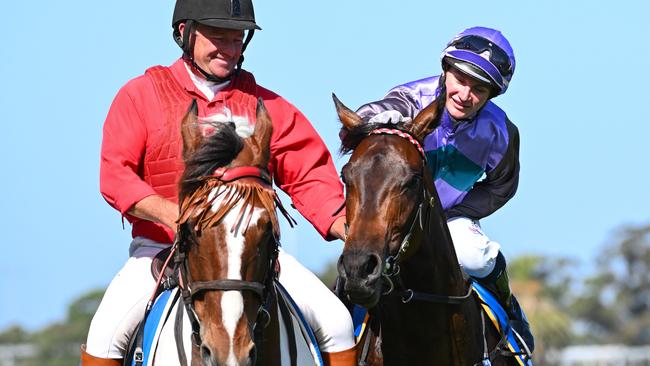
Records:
x=402, y=134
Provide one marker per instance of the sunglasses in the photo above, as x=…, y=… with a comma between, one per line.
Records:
x=498, y=57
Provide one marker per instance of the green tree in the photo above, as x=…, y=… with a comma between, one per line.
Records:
x=615, y=305
x=542, y=286
x=58, y=344
x=13, y=335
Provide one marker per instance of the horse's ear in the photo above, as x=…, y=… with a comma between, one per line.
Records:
x=190, y=131
x=425, y=122
x=262, y=133
x=348, y=118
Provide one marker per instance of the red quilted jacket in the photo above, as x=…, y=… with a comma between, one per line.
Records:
x=141, y=147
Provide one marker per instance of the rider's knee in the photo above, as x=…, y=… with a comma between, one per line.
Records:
x=478, y=266
x=336, y=331
x=475, y=251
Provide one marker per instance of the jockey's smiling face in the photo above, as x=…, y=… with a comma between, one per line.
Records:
x=217, y=50
x=465, y=95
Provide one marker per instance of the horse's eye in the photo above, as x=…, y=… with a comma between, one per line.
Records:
x=413, y=181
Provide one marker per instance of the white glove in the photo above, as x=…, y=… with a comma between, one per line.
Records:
x=389, y=117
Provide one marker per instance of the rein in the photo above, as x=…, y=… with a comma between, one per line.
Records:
x=195, y=206
x=391, y=269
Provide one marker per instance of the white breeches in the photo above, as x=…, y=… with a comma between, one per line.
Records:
x=325, y=313
x=124, y=302
x=475, y=251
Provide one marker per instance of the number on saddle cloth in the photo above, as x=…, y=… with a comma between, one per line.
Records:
x=158, y=332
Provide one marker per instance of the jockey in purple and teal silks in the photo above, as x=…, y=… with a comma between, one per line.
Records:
x=473, y=154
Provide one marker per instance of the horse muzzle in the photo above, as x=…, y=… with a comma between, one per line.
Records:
x=361, y=272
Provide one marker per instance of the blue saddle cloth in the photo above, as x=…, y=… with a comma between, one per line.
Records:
x=499, y=318
x=162, y=308
x=491, y=307
x=153, y=323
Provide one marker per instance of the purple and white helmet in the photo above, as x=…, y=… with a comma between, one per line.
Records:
x=483, y=48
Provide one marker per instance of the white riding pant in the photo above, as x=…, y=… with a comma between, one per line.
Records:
x=475, y=251
x=124, y=302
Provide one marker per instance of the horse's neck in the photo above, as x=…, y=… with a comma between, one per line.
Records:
x=434, y=268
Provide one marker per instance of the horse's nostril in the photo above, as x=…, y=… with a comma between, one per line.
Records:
x=371, y=264
x=206, y=355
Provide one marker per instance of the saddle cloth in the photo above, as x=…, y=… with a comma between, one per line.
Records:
x=491, y=308
x=495, y=312
x=158, y=334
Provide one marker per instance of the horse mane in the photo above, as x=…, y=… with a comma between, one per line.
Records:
x=216, y=151
x=352, y=138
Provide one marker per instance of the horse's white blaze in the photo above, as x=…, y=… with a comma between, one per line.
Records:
x=232, y=302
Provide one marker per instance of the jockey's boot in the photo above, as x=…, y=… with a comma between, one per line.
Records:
x=346, y=357
x=498, y=283
x=89, y=360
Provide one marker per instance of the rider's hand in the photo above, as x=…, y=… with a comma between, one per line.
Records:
x=337, y=229
x=389, y=117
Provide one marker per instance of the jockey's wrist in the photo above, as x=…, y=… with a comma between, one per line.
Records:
x=337, y=229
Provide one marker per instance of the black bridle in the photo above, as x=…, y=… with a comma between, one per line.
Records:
x=391, y=265
x=264, y=290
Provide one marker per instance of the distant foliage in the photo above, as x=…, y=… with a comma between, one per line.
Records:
x=615, y=304
x=541, y=285
x=14, y=335
x=58, y=344
x=329, y=274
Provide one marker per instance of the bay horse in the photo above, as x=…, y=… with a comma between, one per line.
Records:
x=225, y=254
x=399, y=260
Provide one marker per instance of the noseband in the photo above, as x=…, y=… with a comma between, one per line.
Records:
x=263, y=290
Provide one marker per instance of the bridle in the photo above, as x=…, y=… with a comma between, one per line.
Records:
x=391, y=265
x=190, y=289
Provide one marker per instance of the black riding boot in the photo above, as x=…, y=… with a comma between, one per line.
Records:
x=498, y=282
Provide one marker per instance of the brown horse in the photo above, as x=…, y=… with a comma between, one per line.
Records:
x=398, y=259
x=227, y=244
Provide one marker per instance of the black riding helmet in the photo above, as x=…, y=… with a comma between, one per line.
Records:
x=227, y=14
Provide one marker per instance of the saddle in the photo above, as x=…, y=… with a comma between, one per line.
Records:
x=299, y=340
x=158, y=263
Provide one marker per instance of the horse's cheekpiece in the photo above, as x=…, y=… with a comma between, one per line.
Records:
x=499, y=318
x=161, y=322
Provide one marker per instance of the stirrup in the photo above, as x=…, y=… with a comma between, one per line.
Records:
x=523, y=344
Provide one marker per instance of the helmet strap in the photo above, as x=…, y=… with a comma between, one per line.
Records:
x=249, y=36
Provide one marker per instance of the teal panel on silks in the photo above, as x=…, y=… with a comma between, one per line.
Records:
x=458, y=170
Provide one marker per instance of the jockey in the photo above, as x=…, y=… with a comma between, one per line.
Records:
x=473, y=152
x=141, y=163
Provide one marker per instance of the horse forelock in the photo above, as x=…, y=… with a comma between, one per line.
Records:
x=213, y=200
x=353, y=137
x=218, y=150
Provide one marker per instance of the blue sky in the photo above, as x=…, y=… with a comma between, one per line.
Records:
x=578, y=97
